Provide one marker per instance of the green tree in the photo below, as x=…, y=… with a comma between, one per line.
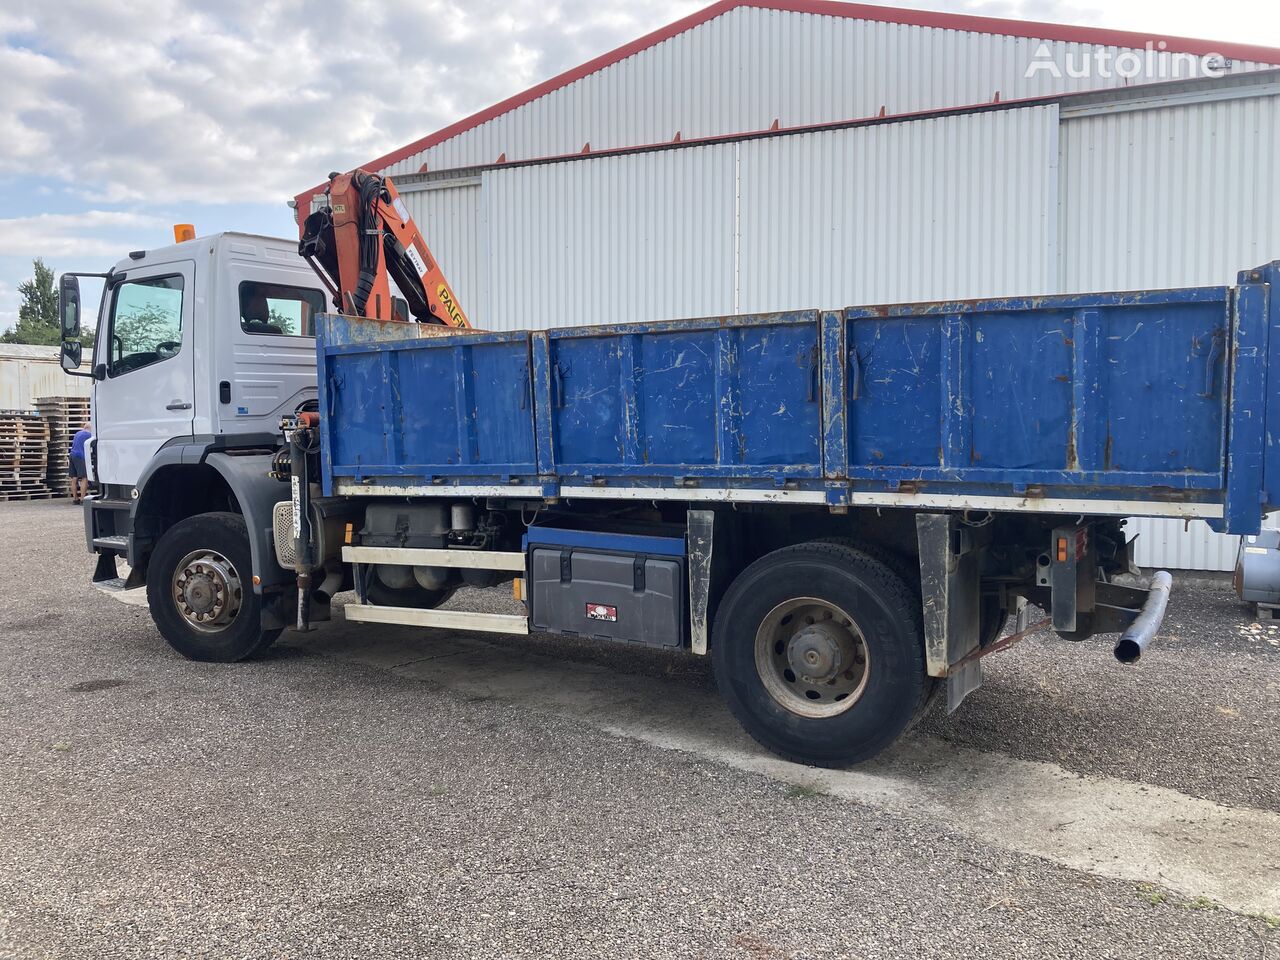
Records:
x=139, y=328
x=38, y=313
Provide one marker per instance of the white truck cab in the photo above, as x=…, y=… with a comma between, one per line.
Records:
x=202, y=346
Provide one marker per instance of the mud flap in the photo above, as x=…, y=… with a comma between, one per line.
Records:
x=950, y=565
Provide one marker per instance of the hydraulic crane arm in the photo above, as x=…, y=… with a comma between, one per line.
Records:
x=364, y=238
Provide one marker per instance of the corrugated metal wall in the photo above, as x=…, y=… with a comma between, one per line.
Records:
x=640, y=236
x=751, y=66
x=953, y=207
x=1178, y=545
x=1175, y=196
x=452, y=215
x=24, y=378
x=823, y=219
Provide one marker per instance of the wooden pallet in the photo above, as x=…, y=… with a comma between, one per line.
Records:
x=64, y=415
x=44, y=494
x=24, y=455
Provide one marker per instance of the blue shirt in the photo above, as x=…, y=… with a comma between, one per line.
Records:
x=78, y=442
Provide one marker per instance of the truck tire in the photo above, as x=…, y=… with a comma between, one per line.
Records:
x=414, y=596
x=200, y=590
x=847, y=619
x=992, y=620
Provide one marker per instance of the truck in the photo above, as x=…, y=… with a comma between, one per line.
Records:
x=843, y=508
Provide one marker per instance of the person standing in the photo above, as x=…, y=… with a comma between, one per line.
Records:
x=79, y=468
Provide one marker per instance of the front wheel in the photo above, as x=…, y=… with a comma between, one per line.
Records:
x=818, y=651
x=200, y=590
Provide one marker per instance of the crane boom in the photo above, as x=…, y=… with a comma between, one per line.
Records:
x=363, y=239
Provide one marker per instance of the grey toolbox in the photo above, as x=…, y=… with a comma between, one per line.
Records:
x=610, y=585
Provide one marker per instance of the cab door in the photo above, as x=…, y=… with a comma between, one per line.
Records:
x=144, y=394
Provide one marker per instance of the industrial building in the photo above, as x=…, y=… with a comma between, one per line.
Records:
x=29, y=372
x=779, y=154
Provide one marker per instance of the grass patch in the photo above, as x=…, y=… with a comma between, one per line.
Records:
x=802, y=791
x=1156, y=896
x=1152, y=894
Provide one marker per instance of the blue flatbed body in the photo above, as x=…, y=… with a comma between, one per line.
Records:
x=1136, y=403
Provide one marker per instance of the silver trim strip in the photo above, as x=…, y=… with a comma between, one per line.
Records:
x=424, y=557
x=944, y=501
x=445, y=619
x=1119, y=508
x=348, y=488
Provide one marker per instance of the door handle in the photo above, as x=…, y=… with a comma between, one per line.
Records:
x=177, y=405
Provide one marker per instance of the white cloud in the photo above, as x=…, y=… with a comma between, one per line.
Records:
x=250, y=101
x=93, y=233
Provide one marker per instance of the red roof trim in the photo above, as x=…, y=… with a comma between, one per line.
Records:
x=831, y=8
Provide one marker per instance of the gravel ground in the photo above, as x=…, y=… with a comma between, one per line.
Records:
x=307, y=806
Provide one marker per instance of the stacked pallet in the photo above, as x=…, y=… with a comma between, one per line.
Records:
x=24, y=455
x=64, y=415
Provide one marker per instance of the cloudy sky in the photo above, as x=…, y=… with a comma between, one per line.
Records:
x=118, y=118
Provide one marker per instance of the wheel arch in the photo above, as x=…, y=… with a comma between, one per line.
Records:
x=178, y=485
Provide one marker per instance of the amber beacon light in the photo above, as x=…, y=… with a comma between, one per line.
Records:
x=183, y=232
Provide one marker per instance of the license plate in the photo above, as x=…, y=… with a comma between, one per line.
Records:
x=602, y=611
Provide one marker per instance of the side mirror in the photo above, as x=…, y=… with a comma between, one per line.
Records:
x=69, y=319
x=71, y=354
x=69, y=307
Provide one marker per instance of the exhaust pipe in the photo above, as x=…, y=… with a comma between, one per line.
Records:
x=1145, y=626
x=330, y=585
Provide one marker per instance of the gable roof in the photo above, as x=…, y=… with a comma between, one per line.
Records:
x=997, y=26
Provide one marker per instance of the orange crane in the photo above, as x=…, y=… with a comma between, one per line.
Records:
x=363, y=239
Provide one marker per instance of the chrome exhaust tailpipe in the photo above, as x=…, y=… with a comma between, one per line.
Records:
x=1145, y=626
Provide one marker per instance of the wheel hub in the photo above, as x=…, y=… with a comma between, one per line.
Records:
x=819, y=652
x=207, y=590
x=811, y=657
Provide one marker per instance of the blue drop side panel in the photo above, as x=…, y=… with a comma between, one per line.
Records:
x=1122, y=390
x=702, y=398
x=895, y=391
x=1098, y=395
x=430, y=407
x=356, y=398
x=1019, y=397
x=1164, y=384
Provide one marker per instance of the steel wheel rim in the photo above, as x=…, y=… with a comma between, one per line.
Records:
x=207, y=591
x=812, y=657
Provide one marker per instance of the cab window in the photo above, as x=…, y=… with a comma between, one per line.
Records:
x=277, y=310
x=146, y=322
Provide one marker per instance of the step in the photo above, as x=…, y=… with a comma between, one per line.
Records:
x=111, y=543
x=424, y=557
x=444, y=619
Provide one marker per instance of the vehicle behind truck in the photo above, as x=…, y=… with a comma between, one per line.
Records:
x=844, y=509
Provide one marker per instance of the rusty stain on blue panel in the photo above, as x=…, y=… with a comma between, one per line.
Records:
x=1088, y=401
x=1247, y=444
x=835, y=437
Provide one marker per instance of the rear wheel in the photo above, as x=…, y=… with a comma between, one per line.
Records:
x=411, y=596
x=200, y=590
x=818, y=651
